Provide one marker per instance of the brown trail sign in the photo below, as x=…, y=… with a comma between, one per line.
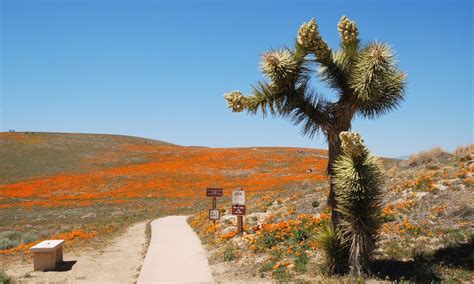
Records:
x=213, y=192
x=238, y=208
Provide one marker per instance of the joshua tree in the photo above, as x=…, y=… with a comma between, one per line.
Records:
x=364, y=76
x=358, y=179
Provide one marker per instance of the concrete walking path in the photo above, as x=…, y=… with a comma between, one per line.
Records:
x=175, y=254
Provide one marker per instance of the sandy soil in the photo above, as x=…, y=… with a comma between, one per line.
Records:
x=118, y=262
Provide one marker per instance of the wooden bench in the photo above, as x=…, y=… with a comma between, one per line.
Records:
x=47, y=254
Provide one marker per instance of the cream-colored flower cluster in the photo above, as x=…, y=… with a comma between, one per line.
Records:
x=348, y=31
x=309, y=37
x=352, y=143
x=275, y=64
x=308, y=34
x=236, y=101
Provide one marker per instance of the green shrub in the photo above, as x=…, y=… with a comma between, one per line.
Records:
x=28, y=237
x=282, y=274
x=7, y=243
x=334, y=252
x=267, y=266
x=229, y=253
x=315, y=203
x=4, y=278
x=301, y=261
x=11, y=239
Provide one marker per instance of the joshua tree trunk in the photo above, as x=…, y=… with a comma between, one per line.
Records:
x=341, y=122
x=333, y=152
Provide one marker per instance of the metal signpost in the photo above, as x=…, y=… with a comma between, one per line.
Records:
x=238, y=208
x=214, y=213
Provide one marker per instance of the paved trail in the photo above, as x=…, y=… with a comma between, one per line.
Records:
x=175, y=254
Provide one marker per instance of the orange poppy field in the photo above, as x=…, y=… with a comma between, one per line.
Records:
x=117, y=178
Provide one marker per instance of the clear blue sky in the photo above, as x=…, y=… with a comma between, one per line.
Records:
x=159, y=69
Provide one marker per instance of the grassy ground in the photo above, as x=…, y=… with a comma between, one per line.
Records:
x=428, y=234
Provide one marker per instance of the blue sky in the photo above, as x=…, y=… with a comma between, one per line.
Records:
x=159, y=69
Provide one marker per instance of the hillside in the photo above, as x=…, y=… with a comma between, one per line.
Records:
x=94, y=185
x=26, y=155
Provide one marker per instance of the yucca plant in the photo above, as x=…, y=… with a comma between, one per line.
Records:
x=358, y=180
x=365, y=77
x=334, y=251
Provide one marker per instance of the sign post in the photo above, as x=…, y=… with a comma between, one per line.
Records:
x=238, y=208
x=214, y=213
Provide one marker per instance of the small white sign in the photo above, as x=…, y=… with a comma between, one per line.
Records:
x=214, y=214
x=238, y=197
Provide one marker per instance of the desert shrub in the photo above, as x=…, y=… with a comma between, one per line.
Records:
x=11, y=239
x=301, y=260
x=229, y=253
x=464, y=154
x=6, y=244
x=28, y=237
x=11, y=235
x=4, y=278
x=428, y=157
x=334, y=252
x=267, y=266
x=280, y=271
x=358, y=180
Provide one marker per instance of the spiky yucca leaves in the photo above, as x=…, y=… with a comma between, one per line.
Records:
x=334, y=252
x=365, y=78
x=278, y=65
x=358, y=179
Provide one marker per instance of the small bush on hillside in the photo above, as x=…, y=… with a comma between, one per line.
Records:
x=11, y=239
x=335, y=254
x=465, y=154
x=431, y=157
x=229, y=253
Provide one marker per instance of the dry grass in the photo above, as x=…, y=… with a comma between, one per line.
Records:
x=465, y=153
x=435, y=155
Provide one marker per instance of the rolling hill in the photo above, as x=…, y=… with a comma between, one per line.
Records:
x=25, y=155
x=52, y=183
